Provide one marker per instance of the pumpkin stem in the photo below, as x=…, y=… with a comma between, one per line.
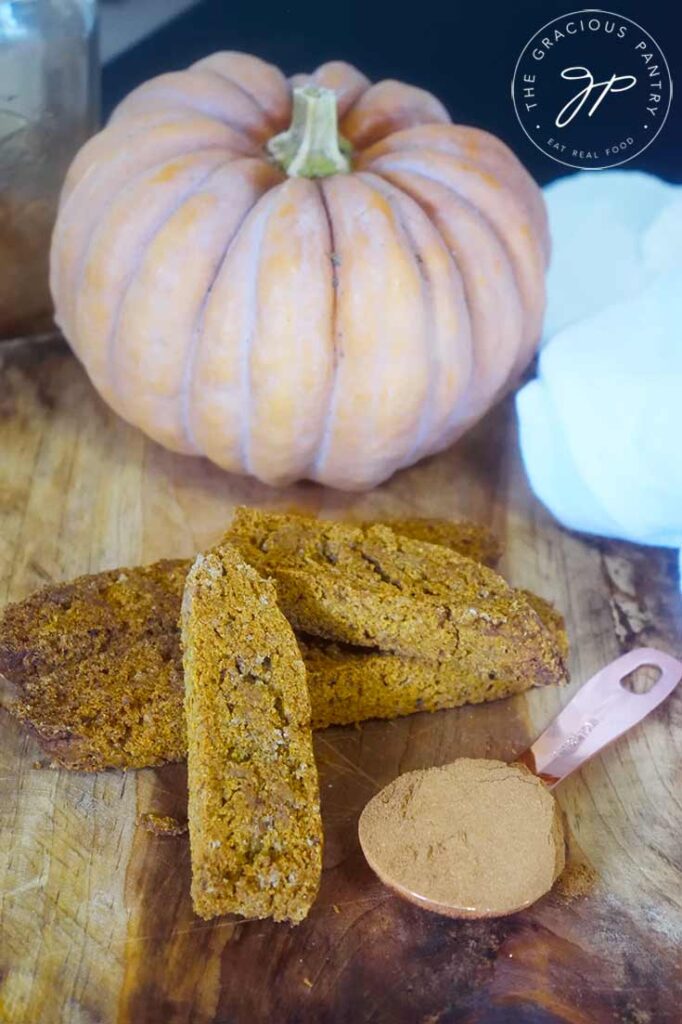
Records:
x=312, y=146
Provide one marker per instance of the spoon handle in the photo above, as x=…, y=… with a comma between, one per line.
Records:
x=601, y=711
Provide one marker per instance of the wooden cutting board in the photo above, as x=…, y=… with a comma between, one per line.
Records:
x=95, y=918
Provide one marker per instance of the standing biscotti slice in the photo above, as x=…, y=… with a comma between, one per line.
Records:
x=254, y=817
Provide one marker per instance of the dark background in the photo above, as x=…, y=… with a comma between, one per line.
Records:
x=464, y=52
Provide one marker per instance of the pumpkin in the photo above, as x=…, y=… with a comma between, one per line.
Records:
x=311, y=278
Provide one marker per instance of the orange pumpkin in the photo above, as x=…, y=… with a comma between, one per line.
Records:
x=244, y=277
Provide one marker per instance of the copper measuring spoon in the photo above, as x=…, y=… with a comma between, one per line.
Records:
x=600, y=712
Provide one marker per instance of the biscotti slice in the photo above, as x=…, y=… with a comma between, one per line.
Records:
x=119, y=708
x=326, y=589
x=472, y=540
x=96, y=668
x=65, y=623
x=349, y=685
x=254, y=816
x=374, y=588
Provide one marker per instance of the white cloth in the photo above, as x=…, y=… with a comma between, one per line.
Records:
x=601, y=425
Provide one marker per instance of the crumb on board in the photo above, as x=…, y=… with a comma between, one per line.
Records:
x=161, y=824
x=576, y=880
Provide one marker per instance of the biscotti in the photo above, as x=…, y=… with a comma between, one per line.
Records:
x=64, y=622
x=96, y=667
x=326, y=587
x=89, y=716
x=345, y=684
x=374, y=588
x=254, y=817
x=466, y=538
x=97, y=664
x=352, y=684
x=552, y=620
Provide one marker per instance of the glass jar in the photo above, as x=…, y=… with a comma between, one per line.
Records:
x=49, y=105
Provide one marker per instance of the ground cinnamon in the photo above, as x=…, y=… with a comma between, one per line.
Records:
x=474, y=838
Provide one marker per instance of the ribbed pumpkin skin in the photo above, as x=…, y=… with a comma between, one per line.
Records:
x=334, y=329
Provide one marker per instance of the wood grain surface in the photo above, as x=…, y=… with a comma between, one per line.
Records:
x=95, y=918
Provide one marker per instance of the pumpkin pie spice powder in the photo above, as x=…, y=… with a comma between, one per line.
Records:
x=481, y=837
